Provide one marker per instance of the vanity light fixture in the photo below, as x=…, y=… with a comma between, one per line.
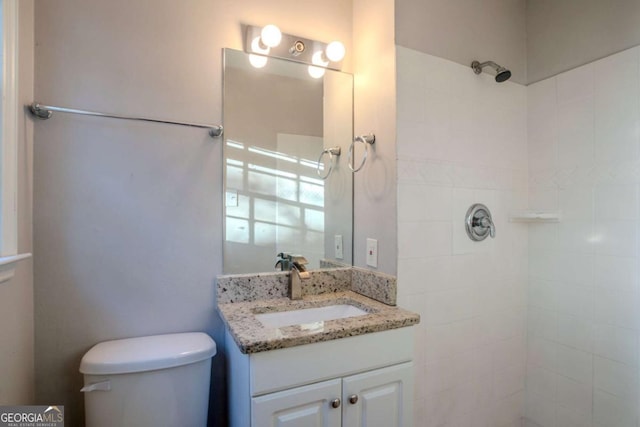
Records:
x=270, y=35
x=269, y=41
x=335, y=51
x=319, y=59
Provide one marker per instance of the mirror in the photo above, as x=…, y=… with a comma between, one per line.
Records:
x=278, y=120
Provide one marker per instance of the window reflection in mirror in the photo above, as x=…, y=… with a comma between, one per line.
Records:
x=278, y=120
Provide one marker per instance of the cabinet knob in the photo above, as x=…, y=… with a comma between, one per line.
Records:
x=353, y=399
x=335, y=403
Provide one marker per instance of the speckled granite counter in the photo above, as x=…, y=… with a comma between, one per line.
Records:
x=252, y=337
x=258, y=286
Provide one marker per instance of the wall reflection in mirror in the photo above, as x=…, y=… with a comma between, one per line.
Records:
x=278, y=121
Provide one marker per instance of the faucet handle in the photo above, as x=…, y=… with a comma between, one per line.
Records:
x=486, y=222
x=284, y=261
x=287, y=261
x=299, y=260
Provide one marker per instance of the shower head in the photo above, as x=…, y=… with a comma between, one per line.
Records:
x=502, y=74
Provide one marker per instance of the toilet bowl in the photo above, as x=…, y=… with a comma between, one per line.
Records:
x=160, y=380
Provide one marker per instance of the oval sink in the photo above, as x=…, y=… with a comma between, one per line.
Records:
x=309, y=315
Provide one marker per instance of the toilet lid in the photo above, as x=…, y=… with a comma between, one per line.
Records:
x=147, y=353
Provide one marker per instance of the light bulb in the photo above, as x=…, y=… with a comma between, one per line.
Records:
x=316, y=72
x=335, y=51
x=319, y=59
x=257, y=61
x=257, y=46
x=271, y=35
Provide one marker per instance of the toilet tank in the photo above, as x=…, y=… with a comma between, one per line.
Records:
x=160, y=380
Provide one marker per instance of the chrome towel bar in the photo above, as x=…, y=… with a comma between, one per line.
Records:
x=45, y=112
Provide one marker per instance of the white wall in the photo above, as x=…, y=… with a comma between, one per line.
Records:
x=462, y=140
x=375, y=111
x=566, y=34
x=16, y=295
x=128, y=216
x=466, y=30
x=584, y=302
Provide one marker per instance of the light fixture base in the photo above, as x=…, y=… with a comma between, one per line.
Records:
x=291, y=48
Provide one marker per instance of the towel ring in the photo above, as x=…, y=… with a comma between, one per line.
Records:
x=333, y=151
x=366, y=140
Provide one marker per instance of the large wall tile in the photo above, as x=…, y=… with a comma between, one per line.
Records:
x=583, y=272
x=461, y=139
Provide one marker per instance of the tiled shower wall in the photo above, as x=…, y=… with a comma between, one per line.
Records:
x=584, y=311
x=461, y=139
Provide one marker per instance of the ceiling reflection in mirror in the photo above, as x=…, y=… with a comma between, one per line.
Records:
x=288, y=188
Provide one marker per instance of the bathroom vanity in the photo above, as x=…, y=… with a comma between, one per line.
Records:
x=334, y=358
x=358, y=381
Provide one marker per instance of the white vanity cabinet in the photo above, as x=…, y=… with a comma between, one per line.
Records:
x=366, y=380
x=301, y=406
x=379, y=398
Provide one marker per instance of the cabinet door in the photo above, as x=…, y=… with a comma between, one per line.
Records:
x=308, y=406
x=380, y=398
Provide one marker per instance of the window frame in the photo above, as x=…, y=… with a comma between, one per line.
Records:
x=9, y=142
x=11, y=110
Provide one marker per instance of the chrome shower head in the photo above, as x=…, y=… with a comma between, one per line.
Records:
x=502, y=74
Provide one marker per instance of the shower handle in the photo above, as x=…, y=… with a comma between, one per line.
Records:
x=479, y=223
x=486, y=222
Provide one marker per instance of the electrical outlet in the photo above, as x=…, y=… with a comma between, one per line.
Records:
x=337, y=243
x=372, y=252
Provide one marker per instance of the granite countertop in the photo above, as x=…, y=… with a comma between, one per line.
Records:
x=251, y=336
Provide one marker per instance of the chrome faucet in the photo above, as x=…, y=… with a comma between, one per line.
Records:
x=295, y=264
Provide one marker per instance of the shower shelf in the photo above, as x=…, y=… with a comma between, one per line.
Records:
x=535, y=216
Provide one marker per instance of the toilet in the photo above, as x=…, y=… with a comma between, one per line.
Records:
x=153, y=381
